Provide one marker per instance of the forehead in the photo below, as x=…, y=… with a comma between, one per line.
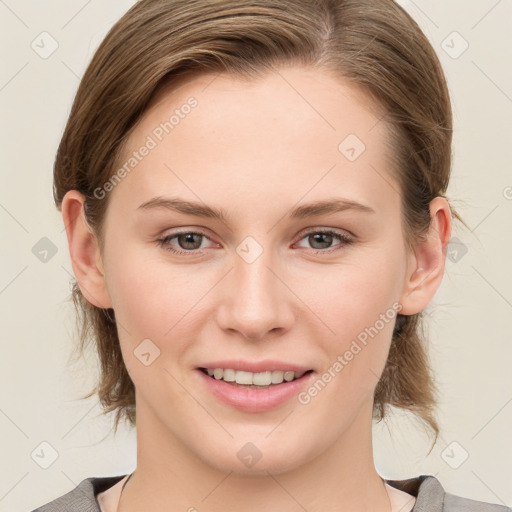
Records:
x=289, y=133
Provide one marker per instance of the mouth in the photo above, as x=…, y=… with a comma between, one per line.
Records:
x=253, y=386
x=250, y=380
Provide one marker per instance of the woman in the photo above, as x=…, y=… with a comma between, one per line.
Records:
x=253, y=195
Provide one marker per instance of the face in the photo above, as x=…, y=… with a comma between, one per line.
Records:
x=276, y=282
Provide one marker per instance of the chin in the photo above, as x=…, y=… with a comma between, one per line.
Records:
x=254, y=458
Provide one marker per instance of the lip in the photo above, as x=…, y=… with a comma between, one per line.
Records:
x=255, y=366
x=254, y=400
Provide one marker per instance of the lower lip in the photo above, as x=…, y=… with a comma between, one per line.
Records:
x=255, y=400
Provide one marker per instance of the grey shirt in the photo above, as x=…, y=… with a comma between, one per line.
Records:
x=429, y=493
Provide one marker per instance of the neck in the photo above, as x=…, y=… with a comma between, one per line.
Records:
x=169, y=476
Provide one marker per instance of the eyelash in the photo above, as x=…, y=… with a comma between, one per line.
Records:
x=344, y=239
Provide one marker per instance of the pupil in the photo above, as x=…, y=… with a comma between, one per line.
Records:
x=325, y=244
x=188, y=239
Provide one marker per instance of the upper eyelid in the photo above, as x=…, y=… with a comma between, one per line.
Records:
x=338, y=231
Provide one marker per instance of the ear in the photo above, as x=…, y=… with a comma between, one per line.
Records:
x=84, y=251
x=425, y=268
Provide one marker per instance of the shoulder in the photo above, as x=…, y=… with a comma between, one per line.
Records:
x=431, y=496
x=458, y=503
x=83, y=497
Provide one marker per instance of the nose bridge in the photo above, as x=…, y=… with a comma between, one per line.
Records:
x=256, y=301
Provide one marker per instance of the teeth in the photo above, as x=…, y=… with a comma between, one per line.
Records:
x=288, y=376
x=262, y=379
x=229, y=375
x=277, y=377
x=243, y=377
x=253, y=379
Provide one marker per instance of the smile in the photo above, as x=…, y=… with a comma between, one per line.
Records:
x=250, y=379
x=240, y=389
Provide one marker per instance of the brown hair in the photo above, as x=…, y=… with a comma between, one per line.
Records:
x=373, y=43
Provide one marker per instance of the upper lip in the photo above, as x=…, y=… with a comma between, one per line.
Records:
x=255, y=366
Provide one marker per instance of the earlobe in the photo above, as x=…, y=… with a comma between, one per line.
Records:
x=425, y=268
x=84, y=251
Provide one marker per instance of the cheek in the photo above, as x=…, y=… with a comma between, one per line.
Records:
x=151, y=305
x=160, y=302
x=358, y=309
x=352, y=296
x=150, y=296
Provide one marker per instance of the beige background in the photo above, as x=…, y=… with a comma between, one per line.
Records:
x=470, y=327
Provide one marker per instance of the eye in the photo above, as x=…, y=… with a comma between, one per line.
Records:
x=324, y=238
x=190, y=241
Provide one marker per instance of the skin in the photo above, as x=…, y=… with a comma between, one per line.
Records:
x=257, y=149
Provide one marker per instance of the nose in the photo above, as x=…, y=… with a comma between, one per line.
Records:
x=255, y=299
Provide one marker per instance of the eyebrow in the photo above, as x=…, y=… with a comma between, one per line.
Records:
x=196, y=209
